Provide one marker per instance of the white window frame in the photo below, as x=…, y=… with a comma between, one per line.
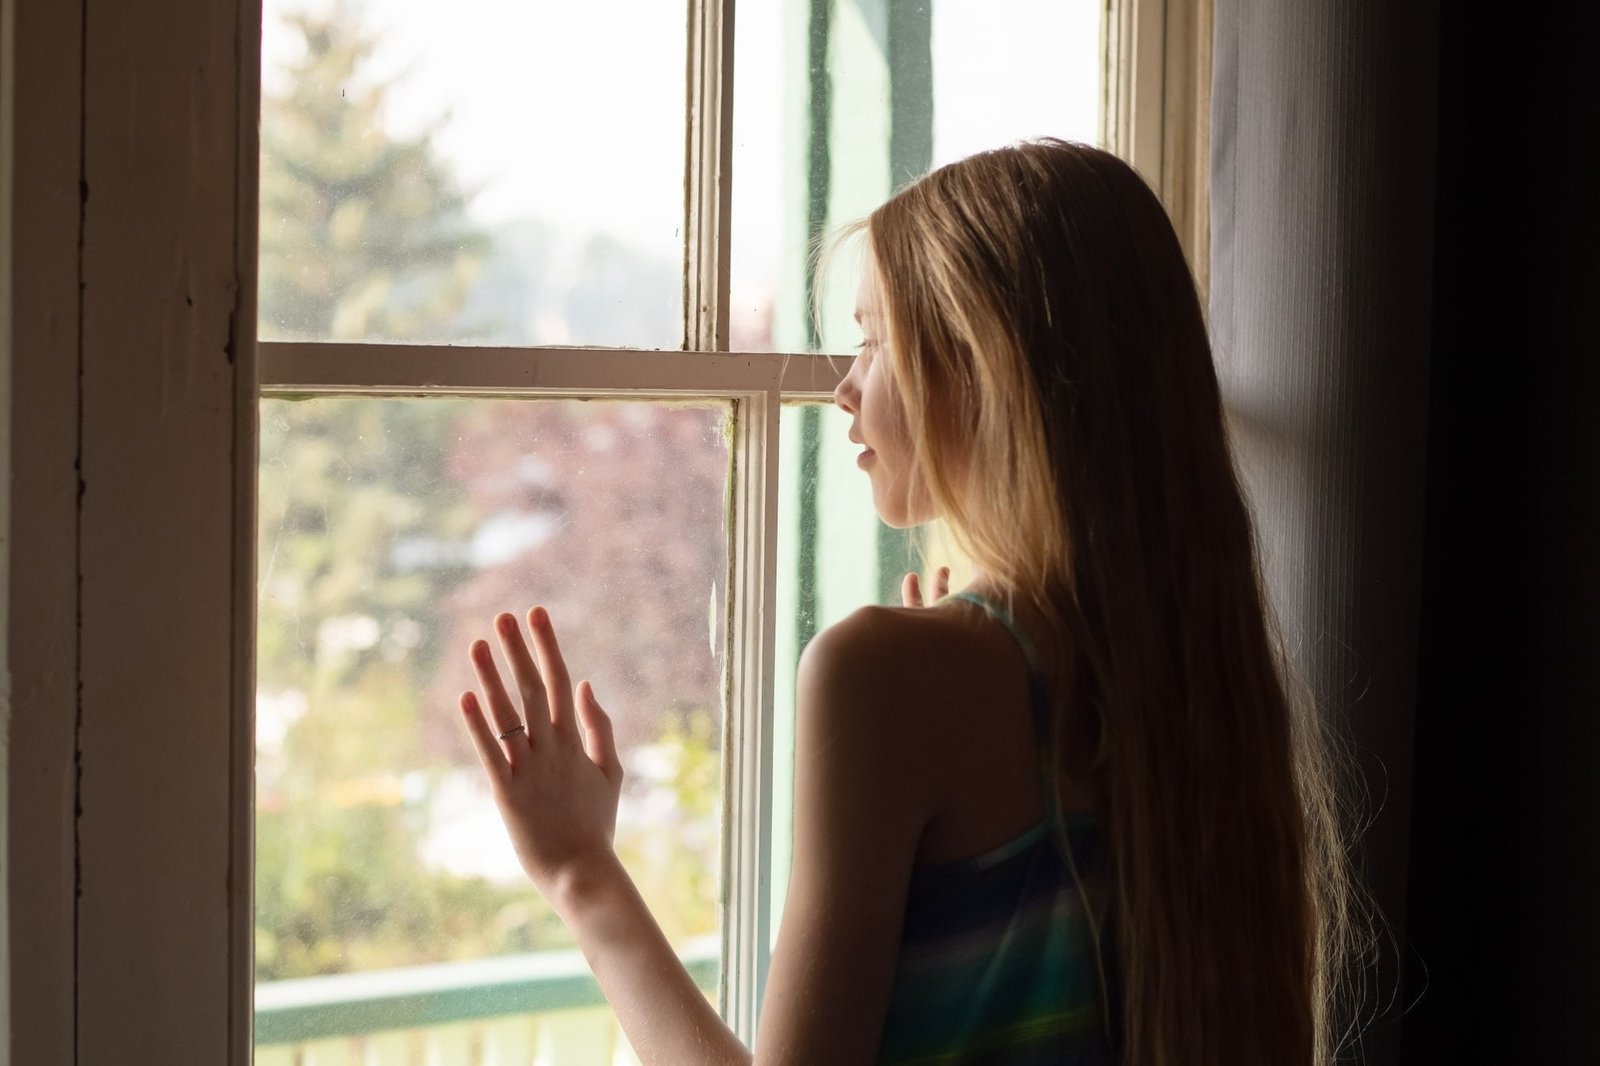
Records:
x=1155, y=109
x=1142, y=40
x=756, y=385
x=131, y=592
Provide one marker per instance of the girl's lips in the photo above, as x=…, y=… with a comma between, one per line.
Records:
x=865, y=457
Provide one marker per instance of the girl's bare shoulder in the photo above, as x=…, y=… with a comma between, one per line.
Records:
x=905, y=660
x=911, y=692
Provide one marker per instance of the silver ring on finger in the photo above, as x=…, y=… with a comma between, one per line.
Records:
x=513, y=731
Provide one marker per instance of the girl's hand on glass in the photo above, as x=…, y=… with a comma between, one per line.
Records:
x=552, y=764
x=911, y=588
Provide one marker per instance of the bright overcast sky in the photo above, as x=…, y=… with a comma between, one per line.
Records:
x=573, y=112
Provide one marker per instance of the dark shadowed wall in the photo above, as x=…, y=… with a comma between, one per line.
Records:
x=1504, y=910
x=1406, y=305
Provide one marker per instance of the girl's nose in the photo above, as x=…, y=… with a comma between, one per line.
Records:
x=844, y=394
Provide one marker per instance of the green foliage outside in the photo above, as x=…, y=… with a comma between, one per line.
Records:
x=366, y=236
x=363, y=235
x=683, y=872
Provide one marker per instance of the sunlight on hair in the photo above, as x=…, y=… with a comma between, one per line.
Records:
x=1048, y=346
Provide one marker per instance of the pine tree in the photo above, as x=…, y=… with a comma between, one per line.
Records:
x=364, y=235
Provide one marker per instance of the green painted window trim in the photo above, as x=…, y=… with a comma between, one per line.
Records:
x=416, y=997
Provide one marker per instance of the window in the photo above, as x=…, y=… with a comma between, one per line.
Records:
x=533, y=313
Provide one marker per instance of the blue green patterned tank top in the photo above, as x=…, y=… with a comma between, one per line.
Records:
x=997, y=957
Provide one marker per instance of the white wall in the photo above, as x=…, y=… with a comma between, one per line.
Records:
x=130, y=334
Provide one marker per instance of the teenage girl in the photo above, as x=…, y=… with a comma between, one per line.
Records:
x=1069, y=814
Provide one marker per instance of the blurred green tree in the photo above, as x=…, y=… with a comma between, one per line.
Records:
x=364, y=235
x=675, y=864
x=350, y=628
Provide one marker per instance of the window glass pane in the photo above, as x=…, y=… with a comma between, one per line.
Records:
x=834, y=556
x=473, y=171
x=838, y=102
x=392, y=531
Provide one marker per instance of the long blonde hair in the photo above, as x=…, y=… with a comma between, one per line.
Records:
x=1045, y=338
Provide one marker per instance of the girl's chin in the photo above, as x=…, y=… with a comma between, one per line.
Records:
x=894, y=513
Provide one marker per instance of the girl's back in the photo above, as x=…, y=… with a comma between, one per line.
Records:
x=979, y=711
x=1006, y=908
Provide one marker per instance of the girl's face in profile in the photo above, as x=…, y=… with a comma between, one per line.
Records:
x=868, y=394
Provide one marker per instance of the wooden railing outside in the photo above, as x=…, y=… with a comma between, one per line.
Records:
x=542, y=1009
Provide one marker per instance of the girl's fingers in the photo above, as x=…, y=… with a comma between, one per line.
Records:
x=911, y=588
x=535, y=699
x=502, y=712
x=598, y=741
x=557, y=682
x=490, y=752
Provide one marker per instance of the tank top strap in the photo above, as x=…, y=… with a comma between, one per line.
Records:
x=1038, y=696
x=1003, y=616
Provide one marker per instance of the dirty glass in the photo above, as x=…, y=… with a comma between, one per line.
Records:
x=390, y=908
x=834, y=555
x=473, y=172
x=839, y=102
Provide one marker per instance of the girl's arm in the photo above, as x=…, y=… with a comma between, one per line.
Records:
x=858, y=814
x=861, y=799
x=667, y=1019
